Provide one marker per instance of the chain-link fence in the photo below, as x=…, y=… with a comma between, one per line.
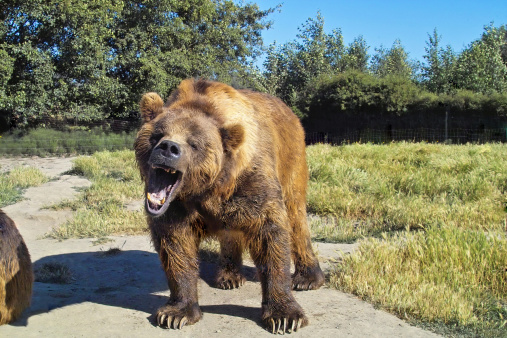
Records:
x=121, y=135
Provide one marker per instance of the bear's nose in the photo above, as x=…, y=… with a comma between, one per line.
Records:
x=170, y=149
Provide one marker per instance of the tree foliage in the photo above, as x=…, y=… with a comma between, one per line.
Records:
x=482, y=66
x=392, y=62
x=355, y=100
x=356, y=55
x=292, y=68
x=87, y=61
x=91, y=60
x=438, y=70
x=317, y=74
x=355, y=92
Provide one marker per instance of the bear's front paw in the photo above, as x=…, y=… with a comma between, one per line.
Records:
x=177, y=315
x=228, y=280
x=287, y=318
x=308, y=279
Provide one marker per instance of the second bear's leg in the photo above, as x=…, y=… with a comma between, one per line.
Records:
x=271, y=254
x=229, y=274
x=178, y=253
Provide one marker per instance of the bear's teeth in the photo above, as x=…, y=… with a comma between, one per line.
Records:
x=154, y=201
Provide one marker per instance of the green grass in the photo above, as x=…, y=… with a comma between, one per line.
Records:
x=13, y=183
x=410, y=185
x=446, y=276
x=101, y=209
x=46, y=142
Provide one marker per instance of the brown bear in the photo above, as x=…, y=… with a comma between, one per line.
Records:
x=16, y=275
x=227, y=163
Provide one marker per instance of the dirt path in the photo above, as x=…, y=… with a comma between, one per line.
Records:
x=115, y=295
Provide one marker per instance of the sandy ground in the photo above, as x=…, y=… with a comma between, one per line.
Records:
x=116, y=295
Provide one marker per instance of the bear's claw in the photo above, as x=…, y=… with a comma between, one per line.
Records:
x=171, y=322
x=175, y=316
x=279, y=325
x=308, y=279
x=286, y=316
x=230, y=284
x=228, y=280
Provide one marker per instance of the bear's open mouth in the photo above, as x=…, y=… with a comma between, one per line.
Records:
x=162, y=185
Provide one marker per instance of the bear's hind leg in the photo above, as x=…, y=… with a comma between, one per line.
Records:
x=229, y=275
x=308, y=274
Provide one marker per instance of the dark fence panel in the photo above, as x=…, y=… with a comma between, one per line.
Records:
x=454, y=136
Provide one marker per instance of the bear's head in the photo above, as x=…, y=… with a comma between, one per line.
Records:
x=184, y=148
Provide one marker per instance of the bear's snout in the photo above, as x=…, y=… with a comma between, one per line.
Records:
x=169, y=149
x=166, y=153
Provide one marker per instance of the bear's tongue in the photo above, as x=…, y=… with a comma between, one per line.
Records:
x=161, y=187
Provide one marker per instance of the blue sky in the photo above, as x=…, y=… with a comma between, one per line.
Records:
x=382, y=22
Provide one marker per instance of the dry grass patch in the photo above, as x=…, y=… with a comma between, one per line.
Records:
x=410, y=185
x=53, y=272
x=101, y=209
x=442, y=275
x=14, y=182
x=452, y=272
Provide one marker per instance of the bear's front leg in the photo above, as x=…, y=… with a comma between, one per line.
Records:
x=271, y=254
x=178, y=253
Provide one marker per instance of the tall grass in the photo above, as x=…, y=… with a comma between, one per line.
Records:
x=410, y=185
x=450, y=272
x=443, y=275
x=45, y=142
x=13, y=183
x=101, y=209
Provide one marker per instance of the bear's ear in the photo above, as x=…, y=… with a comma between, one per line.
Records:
x=232, y=136
x=151, y=105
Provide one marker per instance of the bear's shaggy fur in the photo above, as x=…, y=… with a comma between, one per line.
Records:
x=230, y=164
x=16, y=275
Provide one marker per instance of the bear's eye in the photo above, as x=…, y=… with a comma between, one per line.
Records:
x=193, y=144
x=155, y=138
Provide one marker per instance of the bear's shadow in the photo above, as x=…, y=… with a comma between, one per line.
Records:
x=130, y=279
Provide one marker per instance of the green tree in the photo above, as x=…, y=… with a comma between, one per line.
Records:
x=480, y=67
x=312, y=50
x=392, y=62
x=438, y=70
x=356, y=55
x=6, y=69
x=503, y=32
x=61, y=62
x=292, y=69
x=160, y=42
x=335, y=51
x=92, y=60
x=278, y=69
